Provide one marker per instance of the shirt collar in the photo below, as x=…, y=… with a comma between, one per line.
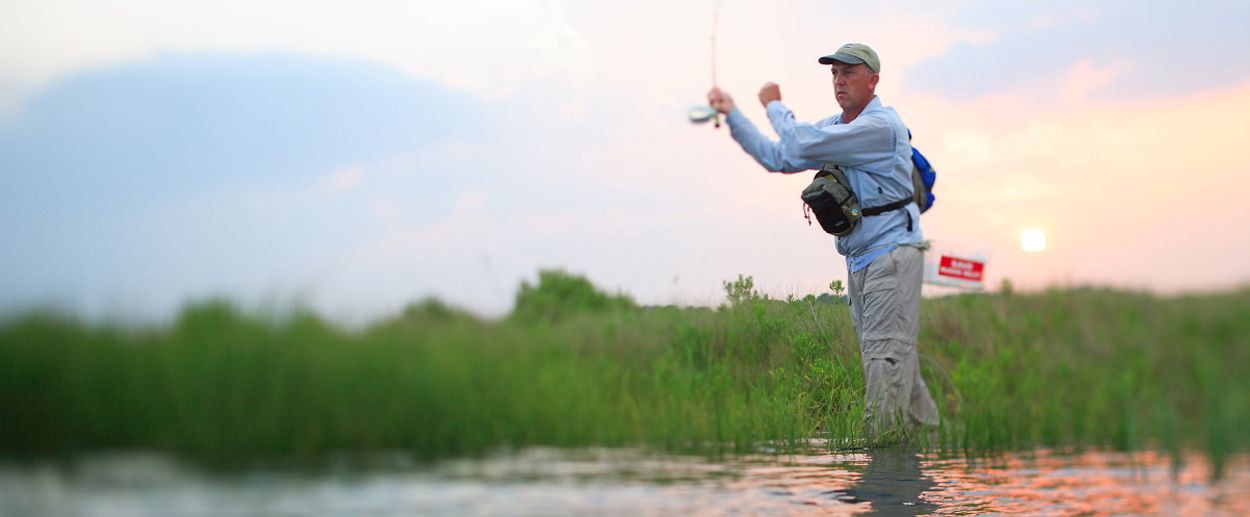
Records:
x=873, y=104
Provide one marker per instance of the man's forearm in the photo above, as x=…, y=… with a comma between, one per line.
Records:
x=766, y=152
x=844, y=144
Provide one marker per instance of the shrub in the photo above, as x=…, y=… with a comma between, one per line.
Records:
x=559, y=295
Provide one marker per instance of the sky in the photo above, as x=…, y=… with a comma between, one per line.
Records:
x=357, y=157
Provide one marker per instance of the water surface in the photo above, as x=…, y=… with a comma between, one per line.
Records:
x=542, y=481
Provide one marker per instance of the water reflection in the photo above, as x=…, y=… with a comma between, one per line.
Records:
x=1090, y=483
x=893, y=483
x=629, y=482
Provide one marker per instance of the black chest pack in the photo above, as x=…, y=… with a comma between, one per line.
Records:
x=829, y=196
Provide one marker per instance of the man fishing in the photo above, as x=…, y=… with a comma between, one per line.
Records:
x=884, y=254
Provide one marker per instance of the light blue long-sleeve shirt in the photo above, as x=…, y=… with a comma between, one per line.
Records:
x=873, y=150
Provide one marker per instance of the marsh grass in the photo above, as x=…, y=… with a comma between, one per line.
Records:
x=574, y=366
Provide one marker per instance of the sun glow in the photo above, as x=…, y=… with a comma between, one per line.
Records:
x=1033, y=240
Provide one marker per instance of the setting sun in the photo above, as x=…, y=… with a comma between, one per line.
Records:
x=1033, y=240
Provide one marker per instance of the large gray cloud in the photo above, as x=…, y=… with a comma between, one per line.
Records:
x=183, y=121
x=1196, y=47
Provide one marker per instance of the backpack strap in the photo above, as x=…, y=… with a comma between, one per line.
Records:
x=878, y=210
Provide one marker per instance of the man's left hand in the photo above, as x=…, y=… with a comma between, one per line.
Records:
x=770, y=92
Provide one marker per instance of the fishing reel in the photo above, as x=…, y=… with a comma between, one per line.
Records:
x=701, y=113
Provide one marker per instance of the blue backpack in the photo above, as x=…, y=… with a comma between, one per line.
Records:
x=922, y=177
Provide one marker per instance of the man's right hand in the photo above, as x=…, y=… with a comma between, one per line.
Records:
x=720, y=101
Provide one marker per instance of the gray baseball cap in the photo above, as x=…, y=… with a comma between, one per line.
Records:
x=854, y=54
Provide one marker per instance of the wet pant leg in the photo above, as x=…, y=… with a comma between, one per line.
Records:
x=885, y=308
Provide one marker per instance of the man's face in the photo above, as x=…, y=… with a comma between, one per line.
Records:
x=853, y=85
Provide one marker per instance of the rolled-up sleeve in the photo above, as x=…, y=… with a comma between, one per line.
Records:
x=868, y=138
x=773, y=156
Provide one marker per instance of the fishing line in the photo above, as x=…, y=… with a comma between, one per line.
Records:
x=701, y=113
x=715, y=25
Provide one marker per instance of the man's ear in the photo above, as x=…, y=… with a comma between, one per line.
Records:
x=872, y=81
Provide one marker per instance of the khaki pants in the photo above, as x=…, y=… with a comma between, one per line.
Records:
x=885, y=306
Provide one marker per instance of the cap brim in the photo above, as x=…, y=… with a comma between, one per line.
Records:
x=842, y=58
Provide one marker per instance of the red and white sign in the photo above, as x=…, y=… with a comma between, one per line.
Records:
x=961, y=268
x=952, y=265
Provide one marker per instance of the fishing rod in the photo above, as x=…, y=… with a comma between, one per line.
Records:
x=701, y=113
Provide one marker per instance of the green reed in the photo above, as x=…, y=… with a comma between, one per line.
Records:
x=573, y=366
